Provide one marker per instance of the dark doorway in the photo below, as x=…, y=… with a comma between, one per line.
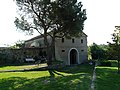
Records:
x=73, y=56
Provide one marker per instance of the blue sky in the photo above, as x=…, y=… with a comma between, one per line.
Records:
x=102, y=16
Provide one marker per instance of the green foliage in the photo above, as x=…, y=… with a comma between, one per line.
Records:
x=105, y=63
x=60, y=16
x=18, y=44
x=6, y=57
x=3, y=58
x=89, y=53
x=114, y=49
x=98, y=51
x=70, y=16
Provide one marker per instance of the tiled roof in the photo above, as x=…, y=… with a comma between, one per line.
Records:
x=40, y=36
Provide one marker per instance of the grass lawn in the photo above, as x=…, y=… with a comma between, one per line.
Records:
x=107, y=77
x=69, y=78
x=21, y=67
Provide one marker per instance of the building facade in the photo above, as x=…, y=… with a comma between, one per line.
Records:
x=70, y=51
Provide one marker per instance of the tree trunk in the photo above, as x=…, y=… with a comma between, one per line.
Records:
x=53, y=46
x=48, y=49
x=49, y=56
x=52, y=50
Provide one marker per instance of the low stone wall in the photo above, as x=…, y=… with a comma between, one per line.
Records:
x=19, y=55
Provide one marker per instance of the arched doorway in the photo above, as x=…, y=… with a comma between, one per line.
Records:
x=73, y=56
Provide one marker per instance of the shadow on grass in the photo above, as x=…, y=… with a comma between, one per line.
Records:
x=107, y=78
x=76, y=81
x=53, y=72
x=74, y=69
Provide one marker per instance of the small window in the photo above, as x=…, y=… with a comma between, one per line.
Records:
x=82, y=50
x=73, y=40
x=63, y=50
x=62, y=40
x=81, y=40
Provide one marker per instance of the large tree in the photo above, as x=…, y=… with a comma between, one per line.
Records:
x=54, y=18
x=115, y=46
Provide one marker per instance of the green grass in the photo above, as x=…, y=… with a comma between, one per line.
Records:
x=107, y=78
x=21, y=67
x=69, y=78
x=114, y=63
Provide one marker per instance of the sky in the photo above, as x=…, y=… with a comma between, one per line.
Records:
x=102, y=16
x=8, y=33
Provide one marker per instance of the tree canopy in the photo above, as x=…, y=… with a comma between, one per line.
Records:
x=66, y=16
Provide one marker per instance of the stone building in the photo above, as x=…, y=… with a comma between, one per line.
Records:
x=70, y=51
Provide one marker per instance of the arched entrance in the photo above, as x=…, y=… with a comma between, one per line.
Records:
x=73, y=56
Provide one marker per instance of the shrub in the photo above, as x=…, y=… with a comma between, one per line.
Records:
x=6, y=58
x=105, y=63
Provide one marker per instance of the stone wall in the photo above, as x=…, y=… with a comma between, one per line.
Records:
x=19, y=55
x=62, y=49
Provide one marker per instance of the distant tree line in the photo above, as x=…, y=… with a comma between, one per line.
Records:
x=107, y=52
x=111, y=51
x=98, y=51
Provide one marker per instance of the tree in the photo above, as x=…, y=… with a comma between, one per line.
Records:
x=89, y=53
x=115, y=46
x=98, y=51
x=54, y=18
x=18, y=44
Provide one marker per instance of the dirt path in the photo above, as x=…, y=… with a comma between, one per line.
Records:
x=92, y=87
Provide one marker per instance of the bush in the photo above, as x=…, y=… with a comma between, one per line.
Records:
x=2, y=58
x=105, y=63
x=6, y=58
